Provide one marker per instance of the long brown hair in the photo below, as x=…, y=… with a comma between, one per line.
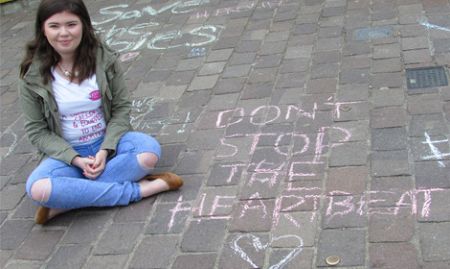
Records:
x=39, y=47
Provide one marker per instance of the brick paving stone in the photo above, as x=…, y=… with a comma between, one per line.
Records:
x=219, y=55
x=298, y=52
x=437, y=206
x=241, y=127
x=216, y=201
x=268, y=158
x=170, y=154
x=70, y=256
x=14, y=232
x=353, y=92
x=424, y=104
x=269, y=48
x=389, y=138
x=432, y=124
x=390, y=163
x=203, y=83
x=198, y=261
x=136, y=212
x=234, y=149
x=393, y=255
x=432, y=174
x=157, y=249
x=436, y=265
x=212, y=68
x=107, y=261
x=194, y=162
x=204, y=139
x=410, y=14
x=175, y=133
x=417, y=56
x=4, y=257
x=266, y=61
x=387, y=117
x=386, y=65
x=234, y=71
x=266, y=184
x=261, y=75
x=358, y=130
x=351, y=179
x=352, y=112
x=112, y=241
x=433, y=239
x=223, y=174
x=223, y=101
x=323, y=85
x=355, y=62
x=39, y=245
x=332, y=43
x=343, y=211
x=166, y=221
x=324, y=70
x=245, y=212
x=294, y=65
x=11, y=195
x=351, y=153
x=238, y=244
x=412, y=43
x=180, y=78
x=242, y=58
x=326, y=57
x=391, y=227
x=23, y=265
x=86, y=229
x=301, y=260
x=430, y=148
x=304, y=28
x=13, y=163
x=292, y=226
x=389, y=80
x=348, y=244
x=230, y=85
x=387, y=97
x=386, y=51
x=257, y=90
x=441, y=45
x=385, y=192
x=211, y=231
x=189, y=64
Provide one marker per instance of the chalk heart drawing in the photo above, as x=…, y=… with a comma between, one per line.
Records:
x=259, y=246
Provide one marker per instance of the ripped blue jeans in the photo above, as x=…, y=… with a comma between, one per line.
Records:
x=117, y=185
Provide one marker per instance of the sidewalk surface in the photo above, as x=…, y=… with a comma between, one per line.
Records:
x=302, y=129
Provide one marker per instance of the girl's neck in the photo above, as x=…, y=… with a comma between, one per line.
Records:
x=66, y=60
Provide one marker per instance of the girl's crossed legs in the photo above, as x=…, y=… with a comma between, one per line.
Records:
x=61, y=187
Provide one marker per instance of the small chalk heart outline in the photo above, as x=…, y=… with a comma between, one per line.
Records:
x=258, y=246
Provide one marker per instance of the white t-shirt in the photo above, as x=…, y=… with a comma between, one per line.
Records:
x=80, y=109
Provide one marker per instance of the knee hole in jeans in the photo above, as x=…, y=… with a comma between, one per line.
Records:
x=147, y=160
x=40, y=190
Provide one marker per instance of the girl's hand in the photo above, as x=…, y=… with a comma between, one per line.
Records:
x=92, y=166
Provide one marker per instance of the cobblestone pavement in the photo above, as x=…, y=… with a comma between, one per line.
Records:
x=294, y=123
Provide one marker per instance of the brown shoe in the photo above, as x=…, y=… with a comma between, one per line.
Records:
x=42, y=214
x=174, y=181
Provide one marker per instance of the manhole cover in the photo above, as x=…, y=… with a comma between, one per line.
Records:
x=427, y=77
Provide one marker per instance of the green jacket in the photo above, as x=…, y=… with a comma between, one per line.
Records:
x=42, y=123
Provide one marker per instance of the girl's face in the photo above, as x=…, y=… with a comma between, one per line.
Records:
x=64, y=31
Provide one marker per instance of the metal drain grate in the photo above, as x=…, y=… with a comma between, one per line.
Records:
x=427, y=77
